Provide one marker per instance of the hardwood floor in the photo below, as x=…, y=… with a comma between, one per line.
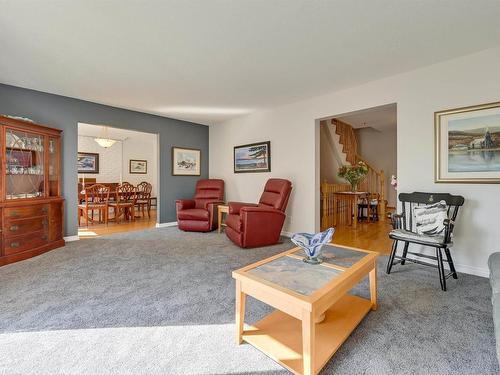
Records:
x=96, y=230
x=368, y=235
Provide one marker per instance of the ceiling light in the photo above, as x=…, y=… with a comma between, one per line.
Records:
x=105, y=141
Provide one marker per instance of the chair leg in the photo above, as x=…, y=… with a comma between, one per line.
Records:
x=442, y=278
x=405, y=252
x=450, y=262
x=391, y=257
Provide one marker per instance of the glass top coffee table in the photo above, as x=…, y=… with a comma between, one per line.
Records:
x=314, y=313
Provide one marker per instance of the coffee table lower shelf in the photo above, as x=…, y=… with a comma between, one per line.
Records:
x=279, y=335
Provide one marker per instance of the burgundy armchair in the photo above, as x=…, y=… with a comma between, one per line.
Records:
x=200, y=213
x=253, y=225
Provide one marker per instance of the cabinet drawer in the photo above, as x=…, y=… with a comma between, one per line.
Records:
x=24, y=226
x=26, y=211
x=19, y=244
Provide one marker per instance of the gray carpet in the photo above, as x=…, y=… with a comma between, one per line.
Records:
x=162, y=302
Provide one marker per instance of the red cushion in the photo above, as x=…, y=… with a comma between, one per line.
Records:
x=234, y=222
x=208, y=190
x=193, y=214
x=276, y=193
x=194, y=225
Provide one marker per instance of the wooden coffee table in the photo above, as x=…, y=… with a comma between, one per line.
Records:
x=314, y=313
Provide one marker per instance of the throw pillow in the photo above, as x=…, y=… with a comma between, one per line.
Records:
x=429, y=218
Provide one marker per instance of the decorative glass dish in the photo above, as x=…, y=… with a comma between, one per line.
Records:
x=312, y=243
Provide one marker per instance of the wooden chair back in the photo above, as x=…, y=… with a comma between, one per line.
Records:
x=411, y=200
x=126, y=192
x=96, y=194
x=144, y=190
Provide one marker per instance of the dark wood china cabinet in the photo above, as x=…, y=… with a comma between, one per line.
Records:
x=31, y=205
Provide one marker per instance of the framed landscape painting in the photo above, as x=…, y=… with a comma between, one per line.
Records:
x=254, y=157
x=468, y=144
x=186, y=162
x=88, y=162
x=138, y=166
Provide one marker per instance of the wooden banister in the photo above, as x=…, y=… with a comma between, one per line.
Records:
x=347, y=140
x=374, y=182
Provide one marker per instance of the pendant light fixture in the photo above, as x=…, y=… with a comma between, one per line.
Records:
x=104, y=140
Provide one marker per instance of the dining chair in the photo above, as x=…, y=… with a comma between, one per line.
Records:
x=124, y=203
x=144, y=198
x=96, y=198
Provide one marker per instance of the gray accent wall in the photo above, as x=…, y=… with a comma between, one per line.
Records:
x=65, y=113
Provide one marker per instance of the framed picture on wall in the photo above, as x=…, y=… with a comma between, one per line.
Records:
x=88, y=162
x=253, y=157
x=138, y=166
x=186, y=161
x=467, y=144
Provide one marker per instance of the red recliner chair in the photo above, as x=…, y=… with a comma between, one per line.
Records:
x=200, y=213
x=253, y=225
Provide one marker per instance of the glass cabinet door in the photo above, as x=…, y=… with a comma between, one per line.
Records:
x=24, y=156
x=54, y=167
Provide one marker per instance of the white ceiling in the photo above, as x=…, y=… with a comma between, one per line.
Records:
x=208, y=61
x=92, y=130
x=382, y=118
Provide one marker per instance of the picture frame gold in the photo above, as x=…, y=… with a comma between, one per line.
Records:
x=467, y=144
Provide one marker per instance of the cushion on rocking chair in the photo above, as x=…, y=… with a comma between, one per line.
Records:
x=406, y=235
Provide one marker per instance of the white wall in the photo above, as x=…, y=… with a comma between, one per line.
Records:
x=379, y=149
x=109, y=159
x=141, y=147
x=114, y=161
x=294, y=133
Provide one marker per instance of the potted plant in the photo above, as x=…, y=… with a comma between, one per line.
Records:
x=353, y=173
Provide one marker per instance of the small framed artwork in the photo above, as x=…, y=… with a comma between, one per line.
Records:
x=186, y=161
x=88, y=162
x=138, y=166
x=253, y=157
x=467, y=144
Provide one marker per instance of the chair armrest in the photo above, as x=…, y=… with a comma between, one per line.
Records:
x=397, y=221
x=261, y=225
x=184, y=204
x=235, y=207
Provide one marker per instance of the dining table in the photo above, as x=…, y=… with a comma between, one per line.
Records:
x=345, y=207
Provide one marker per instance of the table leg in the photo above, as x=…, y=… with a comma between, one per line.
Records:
x=240, y=312
x=308, y=341
x=335, y=213
x=219, y=217
x=355, y=215
x=373, y=287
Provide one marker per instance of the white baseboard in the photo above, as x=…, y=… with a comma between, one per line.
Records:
x=478, y=271
x=71, y=238
x=286, y=234
x=165, y=225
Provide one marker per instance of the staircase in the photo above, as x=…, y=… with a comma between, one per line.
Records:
x=373, y=183
x=347, y=140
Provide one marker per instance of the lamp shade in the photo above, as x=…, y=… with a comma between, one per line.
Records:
x=105, y=142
